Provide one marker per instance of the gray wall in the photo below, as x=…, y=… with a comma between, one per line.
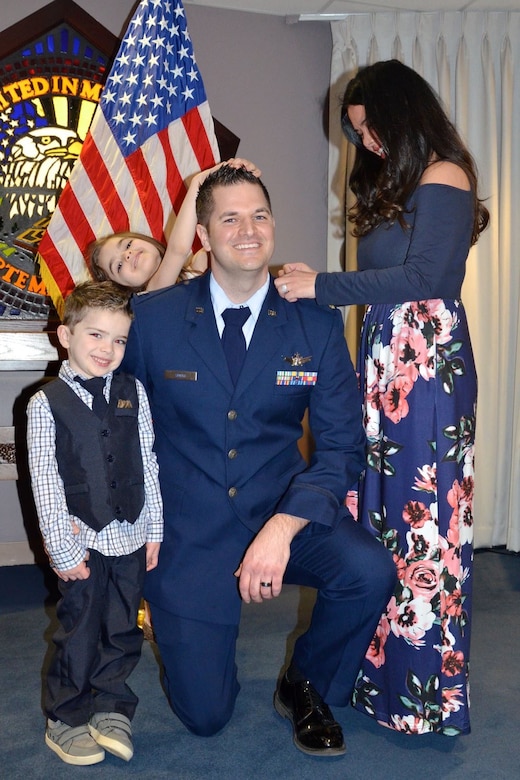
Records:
x=267, y=81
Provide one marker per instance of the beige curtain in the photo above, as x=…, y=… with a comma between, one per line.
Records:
x=472, y=60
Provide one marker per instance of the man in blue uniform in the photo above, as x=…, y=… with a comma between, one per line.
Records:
x=244, y=512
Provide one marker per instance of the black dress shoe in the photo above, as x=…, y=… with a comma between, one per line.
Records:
x=315, y=730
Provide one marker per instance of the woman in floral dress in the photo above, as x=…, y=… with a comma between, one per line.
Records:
x=417, y=213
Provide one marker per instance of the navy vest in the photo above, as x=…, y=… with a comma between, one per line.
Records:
x=99, y=461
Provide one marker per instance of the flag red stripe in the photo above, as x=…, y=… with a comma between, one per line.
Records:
x=196, y=131
x=103, y=185
x=147, y=192
x=174, y=182
x=74, y=218
x=55, y=265
x=176, y=187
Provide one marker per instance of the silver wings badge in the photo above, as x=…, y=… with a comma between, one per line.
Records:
x=297, y=359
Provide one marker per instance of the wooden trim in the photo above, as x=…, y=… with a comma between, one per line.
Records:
x=227, y=141
x=55, y=13
x=28, y=351
x=8, y=468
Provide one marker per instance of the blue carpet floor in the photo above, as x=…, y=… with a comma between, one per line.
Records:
x=258, y=743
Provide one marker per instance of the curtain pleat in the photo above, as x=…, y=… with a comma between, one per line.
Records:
x=472, y=59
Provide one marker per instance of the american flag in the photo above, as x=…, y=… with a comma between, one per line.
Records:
x=151, y=130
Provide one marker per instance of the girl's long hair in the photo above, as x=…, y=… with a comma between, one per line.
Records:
x=93, y=250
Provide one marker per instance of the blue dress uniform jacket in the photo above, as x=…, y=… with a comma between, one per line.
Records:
x=229, y=456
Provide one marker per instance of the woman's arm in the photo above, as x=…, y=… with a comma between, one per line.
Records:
x=435, y=261
x=434, y=266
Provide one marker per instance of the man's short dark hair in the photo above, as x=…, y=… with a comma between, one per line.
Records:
x=225, y=176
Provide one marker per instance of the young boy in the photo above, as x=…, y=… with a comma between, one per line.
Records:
x=95, y=483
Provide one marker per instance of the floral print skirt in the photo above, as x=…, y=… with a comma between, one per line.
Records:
x=420, y=389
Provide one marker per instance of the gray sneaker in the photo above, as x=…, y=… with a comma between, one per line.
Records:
x=113, y=731
x=73, y=744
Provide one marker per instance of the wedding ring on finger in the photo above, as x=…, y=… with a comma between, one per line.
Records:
x=265, y=584
x=284, y=289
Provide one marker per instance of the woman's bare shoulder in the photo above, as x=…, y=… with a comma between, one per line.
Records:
x=445, y=172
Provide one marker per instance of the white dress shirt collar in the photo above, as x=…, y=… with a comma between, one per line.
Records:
x=221, y=302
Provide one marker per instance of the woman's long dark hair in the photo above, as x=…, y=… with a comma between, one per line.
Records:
x=405, y=114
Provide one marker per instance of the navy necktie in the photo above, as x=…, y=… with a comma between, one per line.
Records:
x=233, y=340
x=95, y=387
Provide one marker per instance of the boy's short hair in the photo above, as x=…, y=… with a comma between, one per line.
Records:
x=95, y=295
x=224, y=176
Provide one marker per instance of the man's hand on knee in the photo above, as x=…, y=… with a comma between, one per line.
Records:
x=263, y=566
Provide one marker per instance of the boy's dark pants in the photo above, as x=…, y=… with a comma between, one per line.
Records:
x=98, y=642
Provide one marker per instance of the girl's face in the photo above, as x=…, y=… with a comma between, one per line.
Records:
x=128, y=261
x=370, y=141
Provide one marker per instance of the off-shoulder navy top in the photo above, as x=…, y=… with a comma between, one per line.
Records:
x=426, y=260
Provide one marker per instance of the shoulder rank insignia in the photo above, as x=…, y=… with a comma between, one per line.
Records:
x=297, y=359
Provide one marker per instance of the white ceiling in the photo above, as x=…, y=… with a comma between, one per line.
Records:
x=294, y=8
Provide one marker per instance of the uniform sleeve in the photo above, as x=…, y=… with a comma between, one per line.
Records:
x=133, y=361
x=61, y=545
x=434, y=265
x=335, y=421
x=153, y=501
